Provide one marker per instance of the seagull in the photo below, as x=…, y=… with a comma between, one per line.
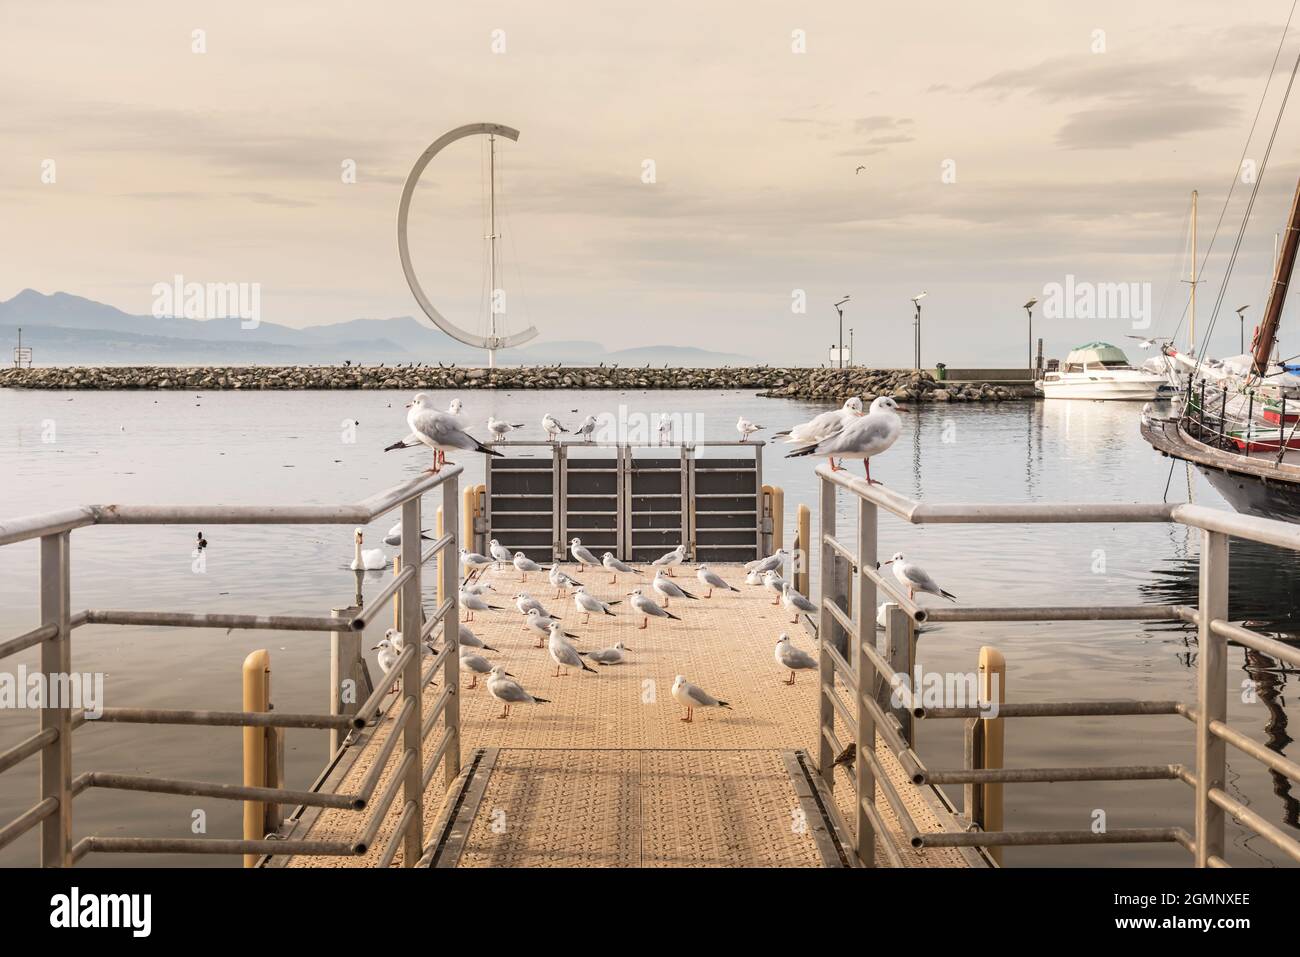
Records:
x=525, y=565
x=609, y=656
x=746, y=428
x=467, y=639
x=754, y=577
x=772, y=563
x=474, y=559
x=541, y=624
x=395, y=639
x=615, y=566
x=668, y=560
x=916, y=578
x=394, y=536
x=665, y=429
x=500, y=554
x=473, y=603
x=788, y=656
x=525, y=601
x=587, y=429
x=564, y=654
x=590, y=604
x=476, y=665
x=869, y=435
x=501, y=428
x=438, y=430
x=713, y=580
x=669, y=589
x=508, y=691
x=372, y=559
x=387, y=659
x=820, y=426
x=476, y=588
x=774, y=583
x=794, y=602
x=559, y=579
x=552, y=426
x=692, y=697
x=581, y=555
x=454, y=410
x=648, y=608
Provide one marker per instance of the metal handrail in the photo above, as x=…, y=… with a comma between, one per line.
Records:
x=870, y=671
x=53, y=742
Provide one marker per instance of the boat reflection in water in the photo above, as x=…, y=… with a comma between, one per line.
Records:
x=1264, y=594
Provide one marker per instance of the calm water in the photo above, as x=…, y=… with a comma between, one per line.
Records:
x=293, y=447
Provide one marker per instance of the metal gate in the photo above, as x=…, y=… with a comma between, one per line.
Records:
x=635, y=500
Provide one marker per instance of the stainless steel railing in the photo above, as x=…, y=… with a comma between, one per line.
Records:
x=850, y=576
x=53, y=742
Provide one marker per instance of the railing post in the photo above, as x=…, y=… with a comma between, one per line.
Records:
x=413, y=792
x=900, y=652
x=56, y=665
x=448, y=577
x=1212, y=696
x=825, y=621
x=868, y=681
x=256, y=697
x=992, y=688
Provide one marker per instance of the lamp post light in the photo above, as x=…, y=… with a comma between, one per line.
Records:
x=1241, y=314
x=840, y=353
x=1029, y=311
x=916, y=301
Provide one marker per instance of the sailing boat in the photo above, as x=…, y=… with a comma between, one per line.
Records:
x=1234, y=423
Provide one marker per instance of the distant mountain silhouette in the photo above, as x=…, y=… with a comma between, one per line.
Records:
x=63, y=329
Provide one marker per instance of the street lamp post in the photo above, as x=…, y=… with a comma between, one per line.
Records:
x=1241, y=315
x=916, y=301
x=1029, y=311
x=840, y=353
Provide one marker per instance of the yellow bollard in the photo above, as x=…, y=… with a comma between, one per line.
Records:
x=802, y=549
x=778, y=517
x=257, y=698
x=468, y=509
x=993, y=687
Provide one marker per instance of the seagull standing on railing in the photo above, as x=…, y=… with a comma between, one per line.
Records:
x=793, y=602
x=788, y=656
x=820, y=426
x=915, y=578
x=671, y=559
x=500, y=428
x=713, y=580
x=862, y=438
x=746, y=428
x=615, y=566
x=508, y=691
x=581, y=555
x=438, y=430
x=692, y=697
x=587, y=429
x=552, y=426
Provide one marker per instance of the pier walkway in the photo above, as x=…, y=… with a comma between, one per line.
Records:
x=607, y=775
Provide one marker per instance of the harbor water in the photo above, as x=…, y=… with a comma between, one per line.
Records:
x=65, y=448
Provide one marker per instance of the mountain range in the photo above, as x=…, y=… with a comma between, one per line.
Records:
x=63, y=329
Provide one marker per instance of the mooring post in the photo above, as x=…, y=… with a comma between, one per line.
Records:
x=350, y=682
x=56, y=660
x=257, y=699
x=992, y=688
x=1212, y=696
x=803, y=550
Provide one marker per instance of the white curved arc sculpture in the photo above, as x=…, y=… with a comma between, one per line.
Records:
x=490, y=343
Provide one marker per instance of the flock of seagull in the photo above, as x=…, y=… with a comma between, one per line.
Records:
x=844, y=433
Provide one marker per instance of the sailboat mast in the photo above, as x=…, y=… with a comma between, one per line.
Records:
x=1193, y=303
x=1266, y=334
x=492, y=252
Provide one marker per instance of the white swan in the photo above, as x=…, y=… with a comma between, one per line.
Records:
x=372, y=559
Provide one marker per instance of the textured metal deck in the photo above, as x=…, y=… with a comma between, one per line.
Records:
x=607, y=775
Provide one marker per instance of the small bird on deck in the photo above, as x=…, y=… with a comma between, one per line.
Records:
x=564, y=654
x=712, y=580
x=509, y=691
x=582, y=555
x=559, y=578
x=476, y=665
x=526, y=602
x=691, y=697
x=669, y=589
x=467, y=639
x=775, y=584
x=788, y=656
x=671, y=559
x=474, y=559
x=473, y=603
x=648, y=608
x=590, y=605
x=615, y=566
x=500, y=554
x=774, y=562
x=540, y=625
x=609, y=656
x=387, y=658
x=525, y=565
x=915, y=578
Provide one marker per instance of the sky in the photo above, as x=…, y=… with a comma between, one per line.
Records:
x=1008, y=147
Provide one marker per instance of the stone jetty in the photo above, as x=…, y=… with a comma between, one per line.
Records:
x=828, y=384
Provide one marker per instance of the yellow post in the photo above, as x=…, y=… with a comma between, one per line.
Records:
x=993, y=687
x=468, y=509
x=442, y=555
x=803, y=549
x=778, y=517
x=257, y=698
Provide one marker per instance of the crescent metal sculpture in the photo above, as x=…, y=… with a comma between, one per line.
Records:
x=491, y=343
